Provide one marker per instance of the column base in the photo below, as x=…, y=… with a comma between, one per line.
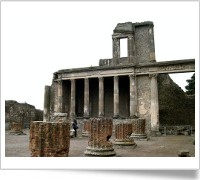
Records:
x=139, y=137
x=124, y=143
x=101, y=152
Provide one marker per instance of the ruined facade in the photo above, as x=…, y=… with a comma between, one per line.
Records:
x=121, y=87
x=22, y=113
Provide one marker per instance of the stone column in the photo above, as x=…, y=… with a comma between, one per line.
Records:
x=123, y=131
x=116, y=96
x=154, y=104
x=46, y=113
x=138, y=129
x=116, y=50
x=49, y=139
x=60, y=96
x=130, y=48
x=86, y=98
x=72, y=102
x=100, y=133
x=101, y=96
x=133, y=96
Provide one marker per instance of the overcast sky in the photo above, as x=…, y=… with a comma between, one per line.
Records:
x=39, y=38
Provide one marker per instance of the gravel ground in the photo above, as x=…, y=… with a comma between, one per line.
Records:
x=164, y=146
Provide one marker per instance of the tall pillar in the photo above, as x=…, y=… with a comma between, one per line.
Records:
x=86, y=97
x=116, y=97
x=72, y=102
x=154, y=104
x=133, y=96
x=46, y=113
x=116, y=50
x=131, y=48
x=101, y=96
x=60, y=96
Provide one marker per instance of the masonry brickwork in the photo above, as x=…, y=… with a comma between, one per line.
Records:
x=124, y=87
x=49, y=139
x=21, y=113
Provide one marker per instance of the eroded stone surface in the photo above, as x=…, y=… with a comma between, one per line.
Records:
x=99, y=143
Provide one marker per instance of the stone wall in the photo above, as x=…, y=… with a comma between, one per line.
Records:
x=175, y=107
x=21, y=113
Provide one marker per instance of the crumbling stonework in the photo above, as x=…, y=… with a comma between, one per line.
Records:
x=49, y=139
x=100, y=133
x=138, y=129
x=123, y=131
x=16, y=128
x=21, y=113
x=121, y=87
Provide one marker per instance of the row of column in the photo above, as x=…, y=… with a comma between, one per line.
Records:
x=133, y=99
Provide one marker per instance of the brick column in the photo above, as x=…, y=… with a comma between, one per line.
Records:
x=101, y=96
x=116, y=50
x=116, y=96
x=154, y=104
x=60, y=96
x=72, y=102
x=138, y=129
x=133, y=96
x=100, y=133
x=123, y=131
x=86, y=97
x=46, y=113
x=49, y=139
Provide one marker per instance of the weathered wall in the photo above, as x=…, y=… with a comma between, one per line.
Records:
x=175, y=107
x=144, y=100
x=21, y=113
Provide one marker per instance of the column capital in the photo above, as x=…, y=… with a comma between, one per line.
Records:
x=101, y=78
x=116, y=78
x=132, y=76
x=130, y=36
x=153, y=75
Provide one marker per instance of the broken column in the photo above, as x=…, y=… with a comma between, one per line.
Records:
x=138, y=129
x=49, y=139
x=123, y=131
x=16, y=128
x=86, y=127
x=100, y=133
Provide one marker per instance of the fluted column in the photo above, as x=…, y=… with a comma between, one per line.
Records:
x=86, y=97
x=154, y=103
x=116, y=97
x=73, y=93
x=60, y=96
x=101, y=96
x=116, y=50
x=133, y=96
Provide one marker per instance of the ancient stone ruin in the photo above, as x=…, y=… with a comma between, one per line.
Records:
x=138, y=129
x=100, y=133
x=20, y=113
x=123, y=87
x=123, y=131
x=50, y=139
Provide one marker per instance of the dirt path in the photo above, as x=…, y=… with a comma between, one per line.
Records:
x=164, y=146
